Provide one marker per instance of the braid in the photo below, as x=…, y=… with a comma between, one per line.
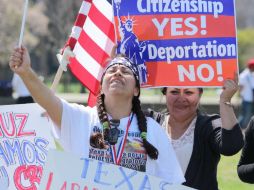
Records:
x=142, y=125
x=97, y=140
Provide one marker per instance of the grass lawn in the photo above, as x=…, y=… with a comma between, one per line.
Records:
x=227, y=174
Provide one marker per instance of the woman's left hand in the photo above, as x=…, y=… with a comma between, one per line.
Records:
x=230, y=87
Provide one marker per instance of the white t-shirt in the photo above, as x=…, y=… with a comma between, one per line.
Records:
x=19, y=87
x=246, y=81
x=79, y=122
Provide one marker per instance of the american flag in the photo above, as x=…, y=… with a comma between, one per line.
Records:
x=91, y=40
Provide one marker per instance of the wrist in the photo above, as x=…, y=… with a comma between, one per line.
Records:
x=225, y=99
x=226, y=103
x=27, y=74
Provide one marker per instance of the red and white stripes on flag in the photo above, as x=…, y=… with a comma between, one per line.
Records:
x=91, y=40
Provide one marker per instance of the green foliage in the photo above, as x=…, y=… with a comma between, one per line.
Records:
x=245, y=46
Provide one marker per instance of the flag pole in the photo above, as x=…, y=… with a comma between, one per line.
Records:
x=57, y=78
x=23, y=23
x=63, y=60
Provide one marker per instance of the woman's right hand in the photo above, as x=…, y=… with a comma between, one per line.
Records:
x=20, y=61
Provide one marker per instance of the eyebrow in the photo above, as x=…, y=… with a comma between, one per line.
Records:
x=180, y=89
x=118, y=64
x=121, y=67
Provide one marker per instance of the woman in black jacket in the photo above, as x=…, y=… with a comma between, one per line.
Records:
x=197, y=138
x=245, y=168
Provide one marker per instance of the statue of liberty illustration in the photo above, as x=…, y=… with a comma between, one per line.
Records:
x=129, y=44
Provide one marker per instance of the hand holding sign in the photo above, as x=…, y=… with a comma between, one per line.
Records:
x=230, y=87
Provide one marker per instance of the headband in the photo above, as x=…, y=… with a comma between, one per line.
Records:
x=125, y=62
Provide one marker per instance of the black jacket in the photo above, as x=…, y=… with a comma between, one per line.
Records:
x=209, y=143
x=246, y=164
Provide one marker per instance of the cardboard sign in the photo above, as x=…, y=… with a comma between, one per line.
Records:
x=64, y=171
x=178, y=42
x=25, y=138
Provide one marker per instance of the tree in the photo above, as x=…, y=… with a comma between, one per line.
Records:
x=61, y=15
x=245, y=46
x=10, y=22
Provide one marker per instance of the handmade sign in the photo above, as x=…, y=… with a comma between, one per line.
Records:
x=25, y=138
x=68, y=172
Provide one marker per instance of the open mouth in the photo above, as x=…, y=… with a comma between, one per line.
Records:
x=116, y=81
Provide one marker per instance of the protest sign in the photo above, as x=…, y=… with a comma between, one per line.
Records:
x=25, y=138
x=66, y=171
x=178, y=42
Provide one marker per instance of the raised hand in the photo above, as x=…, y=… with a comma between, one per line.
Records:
x=230, y=87
x=20, y=60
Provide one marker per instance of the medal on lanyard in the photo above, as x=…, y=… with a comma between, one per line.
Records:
x=117, y=155
x=113, y=131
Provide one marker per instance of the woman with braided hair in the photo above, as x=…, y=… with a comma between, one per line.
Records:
x=116, y=130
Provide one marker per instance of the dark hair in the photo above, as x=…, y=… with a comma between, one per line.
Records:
x=99, y=140
x=142, y=125
x=164, y=90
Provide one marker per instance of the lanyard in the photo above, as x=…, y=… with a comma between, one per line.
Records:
x=117, y=156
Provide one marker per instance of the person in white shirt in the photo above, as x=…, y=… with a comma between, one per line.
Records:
x=246, y=82
x=22, y=93
x=116, y=131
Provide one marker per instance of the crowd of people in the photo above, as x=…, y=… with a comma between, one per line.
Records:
x=246, y=83
x=182, y=145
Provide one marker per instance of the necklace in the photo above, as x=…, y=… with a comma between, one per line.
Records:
x=113, y=131
x=117, y=155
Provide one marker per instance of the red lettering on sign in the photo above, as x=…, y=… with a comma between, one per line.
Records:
x=31, y=173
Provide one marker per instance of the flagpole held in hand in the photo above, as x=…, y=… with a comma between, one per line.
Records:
x=63, y=60
x=23, y=23
x=21, y=35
